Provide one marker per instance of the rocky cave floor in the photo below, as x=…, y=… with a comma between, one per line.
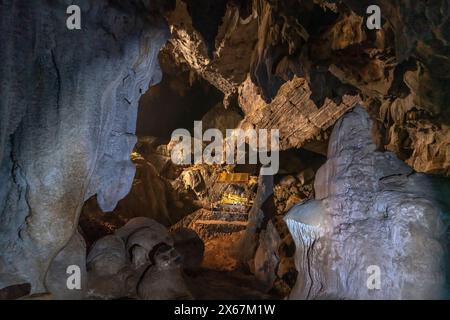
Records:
x=221, y=277
x=209, y=239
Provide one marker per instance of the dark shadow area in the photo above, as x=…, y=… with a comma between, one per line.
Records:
x=176, y=102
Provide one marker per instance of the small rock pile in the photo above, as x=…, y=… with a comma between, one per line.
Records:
x=139, y=261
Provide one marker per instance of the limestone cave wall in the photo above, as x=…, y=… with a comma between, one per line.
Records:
x=364, y=124
x=313, y=60
x=68, y=111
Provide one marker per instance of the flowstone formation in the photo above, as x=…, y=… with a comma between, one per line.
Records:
x=371, y=213
x=67, y=120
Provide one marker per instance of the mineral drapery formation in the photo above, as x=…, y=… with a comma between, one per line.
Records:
x=68, y=110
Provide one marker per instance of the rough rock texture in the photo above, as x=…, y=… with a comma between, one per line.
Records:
x=416, y=138
x=152, y=194
x=190, y=246
x=293, y=103
x=139, y=261
x=180, y=98
x=68, y=111
x=208, y=224
x=289, y=190
x=67, y=120
x=299, y=65
x=267, y=247
x=257, y=219
x=407, y=64
x=266, y=256
x=370, y=209
x=214, y=58
x=110, y=275
x=163, y=280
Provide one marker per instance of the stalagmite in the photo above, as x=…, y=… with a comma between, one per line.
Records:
x=371, y=212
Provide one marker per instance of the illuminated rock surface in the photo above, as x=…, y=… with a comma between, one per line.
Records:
x=67, y=118
x=370, y=209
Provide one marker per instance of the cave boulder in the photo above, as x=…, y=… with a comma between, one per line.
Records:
x=69, y=263
x=190, y=246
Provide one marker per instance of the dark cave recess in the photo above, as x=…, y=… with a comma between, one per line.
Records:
x=176, y=102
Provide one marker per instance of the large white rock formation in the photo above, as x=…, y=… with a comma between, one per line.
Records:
x=68, y=107
x=371, y=213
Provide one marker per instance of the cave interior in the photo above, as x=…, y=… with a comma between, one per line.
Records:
x=94, y=205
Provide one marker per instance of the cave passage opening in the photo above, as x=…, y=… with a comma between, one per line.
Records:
x=176, y=102
x=205, y=208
